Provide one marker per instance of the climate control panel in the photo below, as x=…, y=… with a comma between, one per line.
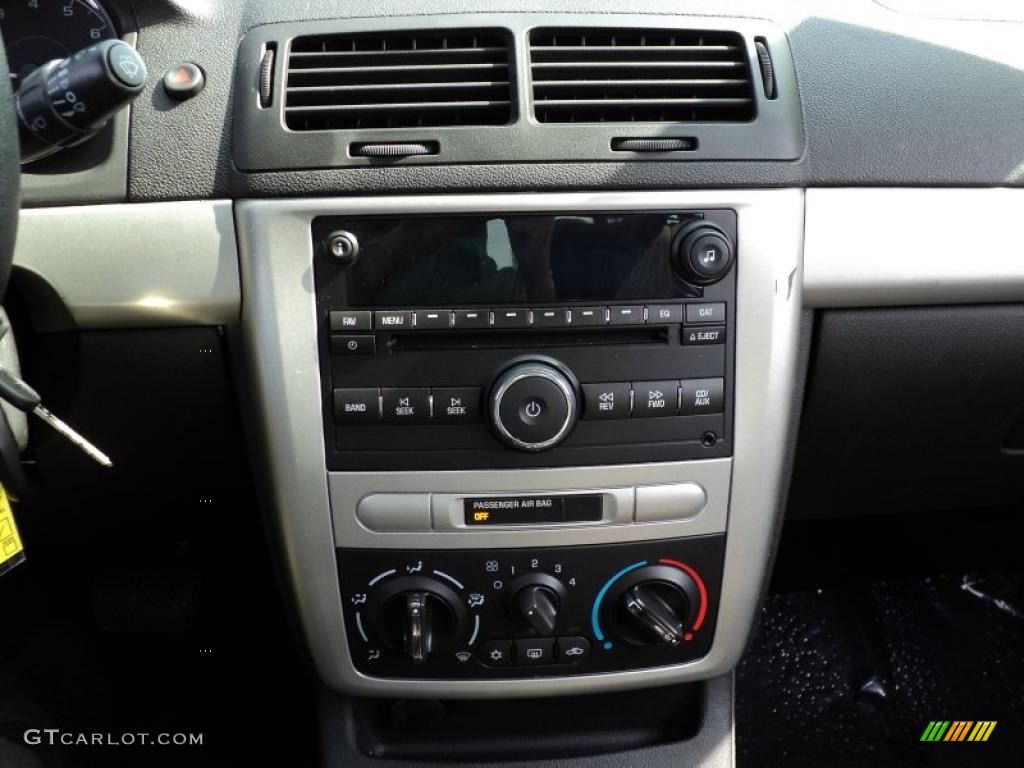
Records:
x=484, y=614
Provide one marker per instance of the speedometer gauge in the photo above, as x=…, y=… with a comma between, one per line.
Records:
x=37, y=31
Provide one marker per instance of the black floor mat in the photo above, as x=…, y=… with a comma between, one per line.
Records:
x=853, y=676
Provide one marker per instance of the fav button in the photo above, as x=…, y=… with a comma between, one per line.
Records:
x=537, y=651
x=495, y=653
x=703, y=396
x=406, y=405
x=350, y=320
x=655, y=398
x=605, y=401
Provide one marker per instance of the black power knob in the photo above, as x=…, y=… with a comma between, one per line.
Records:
x=654, y=605
x=533, y=406
x=417, y=617
x=702, y=253
x=66, y=101
x=535, y=601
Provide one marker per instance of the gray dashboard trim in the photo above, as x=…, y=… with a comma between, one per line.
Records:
x=899, y=247
x=117, y=266
x=280, y=331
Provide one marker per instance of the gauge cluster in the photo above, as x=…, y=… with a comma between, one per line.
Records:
x=38, y=31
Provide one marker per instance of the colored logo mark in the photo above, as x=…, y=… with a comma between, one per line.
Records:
x=958, y=730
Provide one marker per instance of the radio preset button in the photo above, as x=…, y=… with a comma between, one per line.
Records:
x=655, y=398
x=353, y=345
x=664, y=314
x=393, y=320
x=550, y=318
x=346, y=321
x=605, y=401
x=626, y=315
x=710, y=313
x=510, y=318
x=701, y=396
x=588, y=315
x=470, y=318
x=456, y=405
x=432, y=319
x=356, y=406
x=406, y=405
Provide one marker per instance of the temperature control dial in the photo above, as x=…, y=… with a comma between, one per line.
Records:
x=533, y=406
x=654, y=604
x=416, y=616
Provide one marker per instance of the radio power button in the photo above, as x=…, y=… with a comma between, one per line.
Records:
x=533, y=406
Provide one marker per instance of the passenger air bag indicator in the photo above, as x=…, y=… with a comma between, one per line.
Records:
x=532, y=510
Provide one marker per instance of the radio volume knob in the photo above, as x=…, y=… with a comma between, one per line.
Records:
x=533, y=406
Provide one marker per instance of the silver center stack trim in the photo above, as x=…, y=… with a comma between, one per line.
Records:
x=279, y=324
x=129, y=265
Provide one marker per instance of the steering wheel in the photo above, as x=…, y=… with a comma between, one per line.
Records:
x=10, y=173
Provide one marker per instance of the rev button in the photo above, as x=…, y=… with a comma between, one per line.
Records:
x=406, y=405
x=605, y=401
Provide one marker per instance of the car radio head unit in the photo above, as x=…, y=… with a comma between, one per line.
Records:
x=494, y=340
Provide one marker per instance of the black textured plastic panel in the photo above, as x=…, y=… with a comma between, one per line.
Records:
x=869, y=81
x=912, y=411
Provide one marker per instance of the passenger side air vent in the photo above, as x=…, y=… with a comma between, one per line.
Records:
x=640, y=75
x=398, y=80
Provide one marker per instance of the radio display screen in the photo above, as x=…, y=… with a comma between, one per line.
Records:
x=419, y=261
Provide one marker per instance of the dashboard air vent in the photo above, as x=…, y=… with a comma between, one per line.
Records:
x=398, y=80
x=640, y=75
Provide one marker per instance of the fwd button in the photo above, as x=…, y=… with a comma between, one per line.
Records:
x=655, y=398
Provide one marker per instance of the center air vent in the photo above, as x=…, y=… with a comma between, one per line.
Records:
x=398, y=80
x=640, y=75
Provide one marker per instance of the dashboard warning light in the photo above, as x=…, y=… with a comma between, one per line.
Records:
x=481, y=517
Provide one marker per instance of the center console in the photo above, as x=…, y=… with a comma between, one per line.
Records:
x=534, y=439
